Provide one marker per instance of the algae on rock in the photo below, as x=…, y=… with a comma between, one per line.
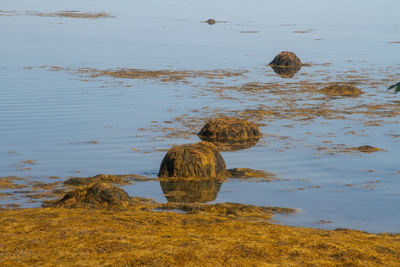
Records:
x=192, y=160
x=94, y=194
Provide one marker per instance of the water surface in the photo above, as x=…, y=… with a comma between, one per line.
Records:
x=78, y=126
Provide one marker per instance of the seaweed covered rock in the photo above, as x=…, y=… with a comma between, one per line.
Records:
x=229, y=129
x=286, y=59
x=211, y=21
x=193, y=160
x=95, y=194
x=341, y=90
x=190, y=191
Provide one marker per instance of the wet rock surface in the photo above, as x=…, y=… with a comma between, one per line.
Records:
x=229, y=129
x=193, y=160
x=341, y=90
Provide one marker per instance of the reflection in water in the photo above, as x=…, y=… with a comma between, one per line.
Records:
x=286, y=71
x=233, y=145
x=190, y=191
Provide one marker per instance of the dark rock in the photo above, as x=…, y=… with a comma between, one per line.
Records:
x=286, y=59
x=229, y=128
x=211, y=21
x=194, y=160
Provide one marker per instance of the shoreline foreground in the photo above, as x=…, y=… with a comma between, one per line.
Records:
x=217, y=236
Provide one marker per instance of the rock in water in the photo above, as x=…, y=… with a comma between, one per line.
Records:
x=193, y=160
x=96, y=194
x=228, y=129
x=286, y=59
x=211, y=21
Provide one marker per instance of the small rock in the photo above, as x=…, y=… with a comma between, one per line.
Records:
x=211, y=21
x=286, y=59
x=95, y=194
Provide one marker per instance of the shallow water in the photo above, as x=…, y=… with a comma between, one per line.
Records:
x=79, y=126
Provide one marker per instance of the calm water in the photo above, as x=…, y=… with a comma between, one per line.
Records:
x=51, y=116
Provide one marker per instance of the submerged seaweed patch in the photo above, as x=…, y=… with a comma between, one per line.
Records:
x=157, y=75
x=122, y=179
x=8, y=183
x=341, y=148
x=60, y=14
x=341, y=90
x=75, y=14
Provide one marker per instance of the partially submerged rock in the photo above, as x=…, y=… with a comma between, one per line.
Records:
x=211, y=21
x=286, y=59
x=193, y=160
x=229, y=129
x=190, y=191
x=94, y=194
x=341, y=90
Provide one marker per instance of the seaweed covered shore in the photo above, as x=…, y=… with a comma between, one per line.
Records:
x=141, y=237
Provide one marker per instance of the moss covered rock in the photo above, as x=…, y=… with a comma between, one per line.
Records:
x=96, y=194
x=211, y=21
x=229, y=129
x=286, y=59
x=193, y=160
